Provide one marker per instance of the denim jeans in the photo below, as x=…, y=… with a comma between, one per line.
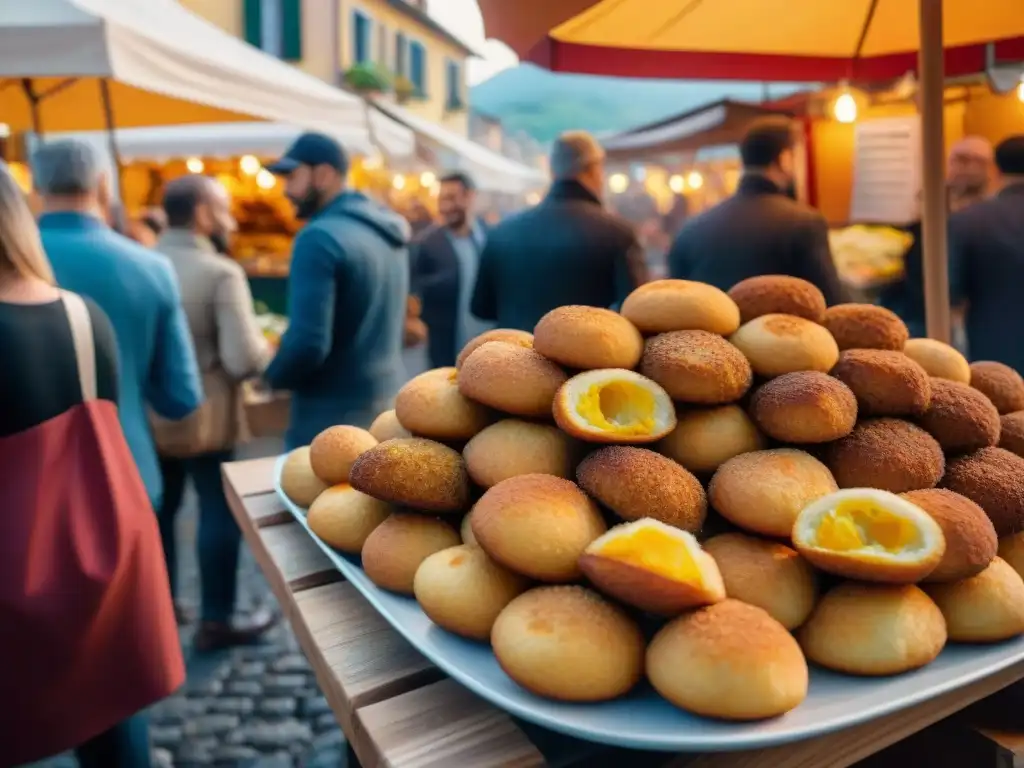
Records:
x=126, y=745
x=218, y=538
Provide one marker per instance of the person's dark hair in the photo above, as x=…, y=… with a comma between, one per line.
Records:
x=459, y=178
x=765, y=140
x=181, y=198
x=1010, y=156
x=155, y=221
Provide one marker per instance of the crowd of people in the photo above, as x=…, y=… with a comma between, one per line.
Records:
x=125, y=354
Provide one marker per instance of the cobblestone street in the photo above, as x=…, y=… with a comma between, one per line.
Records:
x=255, y=707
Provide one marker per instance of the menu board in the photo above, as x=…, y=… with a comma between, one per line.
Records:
x=886, y=171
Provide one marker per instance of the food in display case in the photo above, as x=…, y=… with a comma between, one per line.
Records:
x=541, y=527
x=868, y=256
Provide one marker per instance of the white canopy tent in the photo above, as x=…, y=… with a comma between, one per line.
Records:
x=95, y=64
x=490, y=171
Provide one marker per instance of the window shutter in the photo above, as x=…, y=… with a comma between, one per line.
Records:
x=291, y=30
x=253, y=13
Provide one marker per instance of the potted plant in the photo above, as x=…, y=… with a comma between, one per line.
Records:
x=367, y=78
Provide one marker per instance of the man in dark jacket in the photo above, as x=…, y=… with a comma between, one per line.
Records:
x=987, y=263
x=567, y=250
x=446, y=259
x=761, y=230
x=347, y=294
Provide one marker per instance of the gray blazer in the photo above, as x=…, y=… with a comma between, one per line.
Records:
x=230, y=346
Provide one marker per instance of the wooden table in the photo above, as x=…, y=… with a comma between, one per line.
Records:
x=398, y=710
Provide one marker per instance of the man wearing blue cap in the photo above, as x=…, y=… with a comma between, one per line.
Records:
x=347, y=292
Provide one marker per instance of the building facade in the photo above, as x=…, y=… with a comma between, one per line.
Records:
x=340, y=41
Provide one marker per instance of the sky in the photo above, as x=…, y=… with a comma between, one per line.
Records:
x=462, y=17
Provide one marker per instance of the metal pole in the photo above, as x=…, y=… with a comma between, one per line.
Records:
x=933, y=214
x=115, y=154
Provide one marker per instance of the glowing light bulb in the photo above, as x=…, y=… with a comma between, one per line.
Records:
x=618, y=182
x=845, y=108
x=195, y=165
x=249, y=164
x=677, y=183
x=1020, y=89
x=694, y=180
x=427, y=179
x=265, y=179
x=398, y=182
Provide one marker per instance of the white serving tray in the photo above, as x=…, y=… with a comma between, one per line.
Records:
x=644, y=720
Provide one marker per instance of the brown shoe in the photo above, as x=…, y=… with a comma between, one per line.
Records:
x=215, y=636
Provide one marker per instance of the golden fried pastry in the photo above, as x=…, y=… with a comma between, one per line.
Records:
x=764, y=491
x=1011, y=432
x=1011, y=549
x=569, y=644
x=962, y=419
x=778, y=344
x=804, y=407
x=706, y=438
x=1000, y=384
x=431, y=405
x=874, y=630
x=729, y=661
x=767, y=574
x=939, y=360
x=778, y=295
x=971, y=541
x=993, y=479
x=462, y=590
x=298, y=481
x=388, y=427
x=885, y=453
x=613, y=405
x=513, y=447
x=343, y=517
x=886, y=383
x=506, y=335
x=986, y=608
x=413, y=472
x=661, y=306
x=511, y=378
x=586, y=338
x=333, y=451
x=537, y=525
x=865, y=326
x=393, y=552
x=636, y=483
x=696, y=367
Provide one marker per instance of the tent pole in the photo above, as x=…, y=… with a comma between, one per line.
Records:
x=33, y=105
x=933, y=214
x=115, y=155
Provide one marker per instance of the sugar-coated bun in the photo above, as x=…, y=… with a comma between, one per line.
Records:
x=767, y=574
x=344, y=518
x=388, y=427
x=333, y=451
x=1011, y=432
x=993, y=479
x=778, y=295
x=537, y=525
x=865, y=326
x=886, y=383
x=938, y=359
x=507, y=335
x=971, y=541
x=696, y=367
x=413, y=472
x=431, y=405
x=462, y=590
x=1000, y=384
x=568, y=644
x=778, y=344
x=961, y=418
x=729, y=661
x=588, y=337
x=397, y=547
x=706, y=438
x=635, y=483
x=986, y=608
x=614, y=405
x=764, y=491
x=888, y=454
x=513, y=447
x=661, y=306
x=511, y=378
x=1011, y=549
x=874, y=630
x=298, y=481
x=804, y=407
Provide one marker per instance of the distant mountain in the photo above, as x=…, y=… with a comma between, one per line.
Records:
x=544, y=104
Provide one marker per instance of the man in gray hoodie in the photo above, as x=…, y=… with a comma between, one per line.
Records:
x=348, y=288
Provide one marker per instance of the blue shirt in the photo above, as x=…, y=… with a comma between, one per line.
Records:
x=467, y=250
x=138, y=290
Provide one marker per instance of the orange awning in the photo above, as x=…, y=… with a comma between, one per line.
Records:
x=768, y=40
